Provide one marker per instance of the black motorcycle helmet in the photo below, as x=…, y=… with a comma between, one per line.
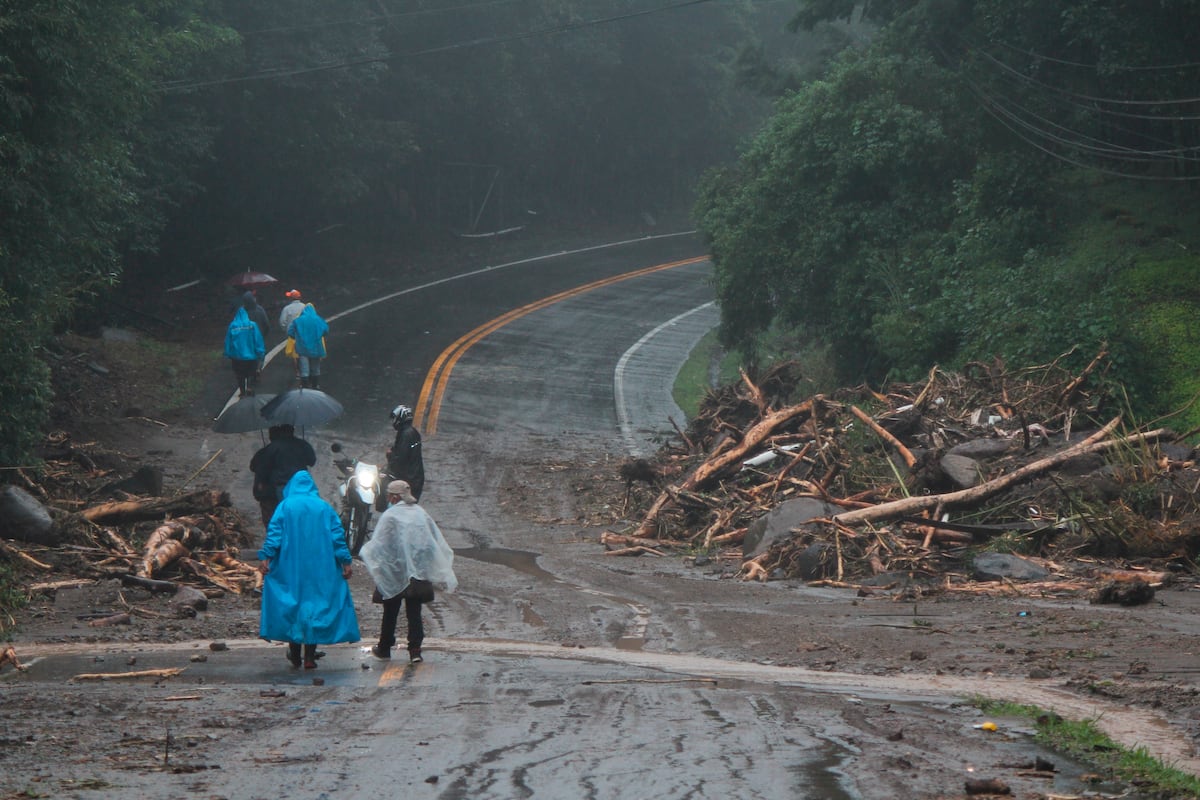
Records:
x=400, y=415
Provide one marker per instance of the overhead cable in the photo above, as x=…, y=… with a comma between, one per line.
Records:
x=377, y=18
x=182, y=86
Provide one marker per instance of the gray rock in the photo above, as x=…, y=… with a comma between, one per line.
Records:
x=1084, y=464
x=24, y=518
x=887, y=579
x=815, y=563
x=190, y=597
x=981, y=448
x=962, y=471
x=146, y=481
x=997, y=566
x=1176, y=452
x=779, y=522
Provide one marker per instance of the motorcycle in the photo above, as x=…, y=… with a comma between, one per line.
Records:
x=358, y=491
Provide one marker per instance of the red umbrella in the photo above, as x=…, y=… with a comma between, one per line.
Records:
x=251, y=280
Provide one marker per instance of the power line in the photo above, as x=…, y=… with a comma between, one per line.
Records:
x=1053, y=138
x=1080, y=140
x=1140, y=134
x=987, y=107
x=1112, y=100
x=188, y=86
x=1112, y=67
x=1072, y=99
x=376, y=18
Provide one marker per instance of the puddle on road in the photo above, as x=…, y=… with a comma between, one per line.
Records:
x=525, y=562
x=264, y=665
x=823, y=776
x=522, y=561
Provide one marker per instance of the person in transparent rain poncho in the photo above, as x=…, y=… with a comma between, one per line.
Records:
x=407, y=557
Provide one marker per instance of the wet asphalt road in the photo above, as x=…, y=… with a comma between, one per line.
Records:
x=508, y=704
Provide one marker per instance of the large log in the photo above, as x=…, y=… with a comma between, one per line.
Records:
x=157, y=508
x=976, y=494
x=154, y=586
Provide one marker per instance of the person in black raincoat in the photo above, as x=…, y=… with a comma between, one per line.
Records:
x=404, y=460
x=274, y=465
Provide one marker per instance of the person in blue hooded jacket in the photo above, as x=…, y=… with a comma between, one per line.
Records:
x=244, y=346
x=309, y=331
x=306, y=564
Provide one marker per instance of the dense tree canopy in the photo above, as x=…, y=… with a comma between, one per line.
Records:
x=155, y=140
x=77, y=87
x=986, y=178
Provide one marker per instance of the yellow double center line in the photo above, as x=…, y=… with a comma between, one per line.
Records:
x=429, y=402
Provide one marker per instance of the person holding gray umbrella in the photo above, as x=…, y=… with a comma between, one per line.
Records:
x=275, y=464
x=301, y=408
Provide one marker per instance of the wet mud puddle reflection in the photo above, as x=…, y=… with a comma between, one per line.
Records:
x=525, y=562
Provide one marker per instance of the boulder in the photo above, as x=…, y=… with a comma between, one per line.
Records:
x=963, y=472
x=781, y=520
x=190, y=598
x=981, y=448
x=998, y=566
x=146, y=480
x=24, y=518
x=816, y=562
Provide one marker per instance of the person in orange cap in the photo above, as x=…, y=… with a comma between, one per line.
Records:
x=286, y=317
x=291, y=310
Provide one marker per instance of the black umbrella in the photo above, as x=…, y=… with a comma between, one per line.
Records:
x=245, y=415
x=301, y=408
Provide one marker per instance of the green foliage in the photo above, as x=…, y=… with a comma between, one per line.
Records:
x=77, y=80
x=140, y=138
x=817, y=226
x=12, y=599
x=904, y=210
x=707, y=365
x=1083, y=739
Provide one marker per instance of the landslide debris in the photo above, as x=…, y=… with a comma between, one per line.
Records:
x=923, y=487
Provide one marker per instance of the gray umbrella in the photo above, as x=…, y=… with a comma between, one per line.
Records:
x=245, y=415
x=301, y=408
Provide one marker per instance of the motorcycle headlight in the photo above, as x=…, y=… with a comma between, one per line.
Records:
x=366, y=475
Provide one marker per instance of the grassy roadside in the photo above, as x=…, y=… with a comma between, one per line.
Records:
x=1083, y=741
x=708, y=365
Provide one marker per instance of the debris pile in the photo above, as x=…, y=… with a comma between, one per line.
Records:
x=910, y=484
x=77, y=521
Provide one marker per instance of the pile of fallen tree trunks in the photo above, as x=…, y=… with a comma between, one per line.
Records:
x=913, y=479
x=65, y=522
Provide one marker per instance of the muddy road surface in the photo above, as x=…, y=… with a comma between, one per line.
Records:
x=556, y=671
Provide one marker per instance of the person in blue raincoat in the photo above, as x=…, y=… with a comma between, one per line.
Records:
x=244, y=346
x=309, y=331
x=305, y=560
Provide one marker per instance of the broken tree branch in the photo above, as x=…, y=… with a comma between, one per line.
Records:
x=964, y=497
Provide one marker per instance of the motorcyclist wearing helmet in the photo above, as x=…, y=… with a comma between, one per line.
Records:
x=404, y=458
